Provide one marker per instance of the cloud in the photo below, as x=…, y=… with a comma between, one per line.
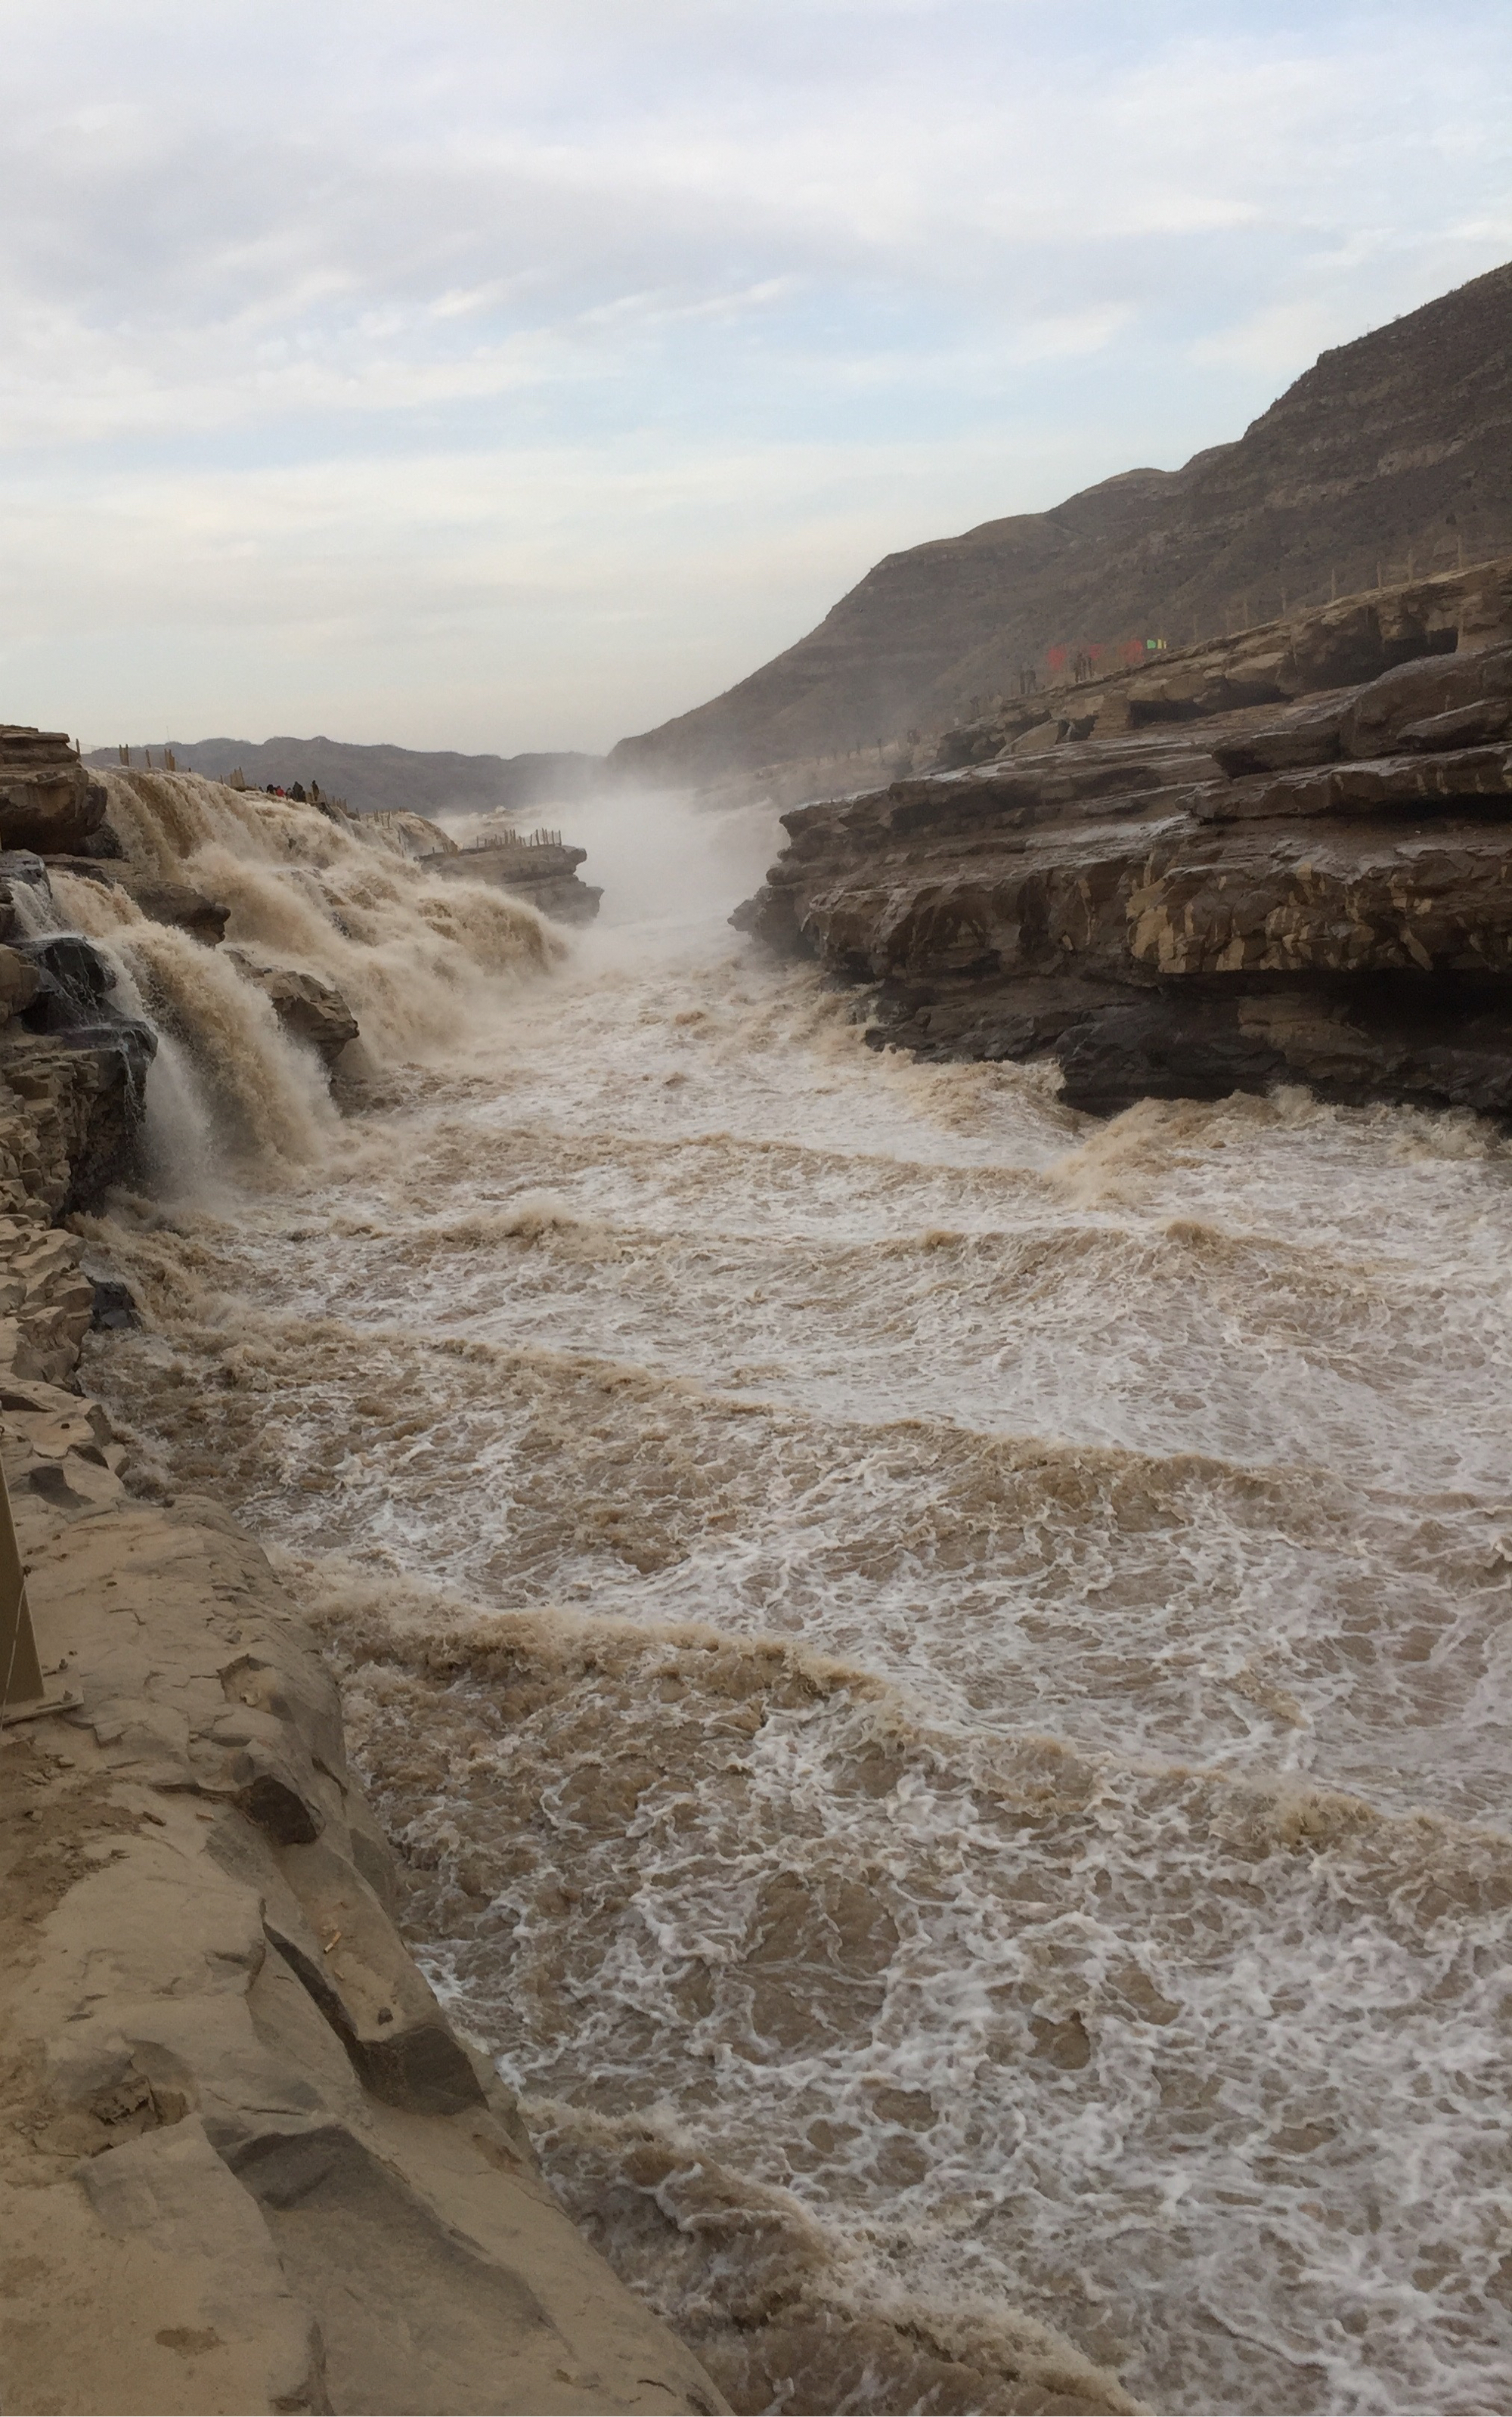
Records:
x=484, y=313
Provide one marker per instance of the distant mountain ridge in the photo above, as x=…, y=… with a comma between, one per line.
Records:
x=1392, y=455
x=375, y=779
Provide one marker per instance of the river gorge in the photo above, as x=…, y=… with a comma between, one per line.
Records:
x=935, y=1663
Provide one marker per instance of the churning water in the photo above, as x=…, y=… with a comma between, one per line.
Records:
x=940, y=1666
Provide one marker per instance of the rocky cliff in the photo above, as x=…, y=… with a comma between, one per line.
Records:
x=1391, y=454
x=65, y=1042
x=1252, y=865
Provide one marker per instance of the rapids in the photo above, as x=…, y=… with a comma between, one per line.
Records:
x=939, y=1667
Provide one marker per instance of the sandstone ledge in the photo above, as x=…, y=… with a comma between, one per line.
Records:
x=1312, y=886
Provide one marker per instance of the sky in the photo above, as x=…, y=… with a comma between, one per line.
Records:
x=508, y=375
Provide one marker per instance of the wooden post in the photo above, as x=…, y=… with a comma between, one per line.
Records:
x=21, y=1672
x=23, y=1693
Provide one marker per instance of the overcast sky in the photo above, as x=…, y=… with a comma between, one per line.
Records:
x=513, y=373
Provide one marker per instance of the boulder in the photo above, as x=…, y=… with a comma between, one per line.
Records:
x=308, y=1009
x=20, y=981
x=175, y=902
x=70, y=980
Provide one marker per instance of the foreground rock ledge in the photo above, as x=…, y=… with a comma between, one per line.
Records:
x=245, y=2162
x=1212, y=877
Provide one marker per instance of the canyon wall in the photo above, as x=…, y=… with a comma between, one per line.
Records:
x=1227, y=873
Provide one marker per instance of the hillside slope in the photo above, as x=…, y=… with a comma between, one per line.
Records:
x=1393, y=451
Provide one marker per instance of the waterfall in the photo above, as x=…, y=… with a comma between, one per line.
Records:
x=419, y=961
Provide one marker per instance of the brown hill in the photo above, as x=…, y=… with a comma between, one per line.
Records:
x=1391, y=456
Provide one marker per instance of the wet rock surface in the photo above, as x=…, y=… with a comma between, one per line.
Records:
x=175, y=903
x=72, y=1067
x=311, y=1009
x=1180, y=895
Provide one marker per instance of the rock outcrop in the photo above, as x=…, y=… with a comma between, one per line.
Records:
x=163, y=901
x=1216, y=876
x=47, y=798
x=308, y=1009
x=244, y=2161
x=65, y=1050
x=47, y=1301
x=542, y=872
x=1392, y=451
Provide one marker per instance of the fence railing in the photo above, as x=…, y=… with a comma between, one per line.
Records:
x=511, y=839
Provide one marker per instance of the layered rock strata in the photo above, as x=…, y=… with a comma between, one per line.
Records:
x=544, y=875
x=1345, y=643
x=245, y=2162
x=47, y=798
x=1216, y=877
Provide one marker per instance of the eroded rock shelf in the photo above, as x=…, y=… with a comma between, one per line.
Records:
x=1287, y=857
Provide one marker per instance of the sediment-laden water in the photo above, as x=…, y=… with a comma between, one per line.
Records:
x=940, y=1667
